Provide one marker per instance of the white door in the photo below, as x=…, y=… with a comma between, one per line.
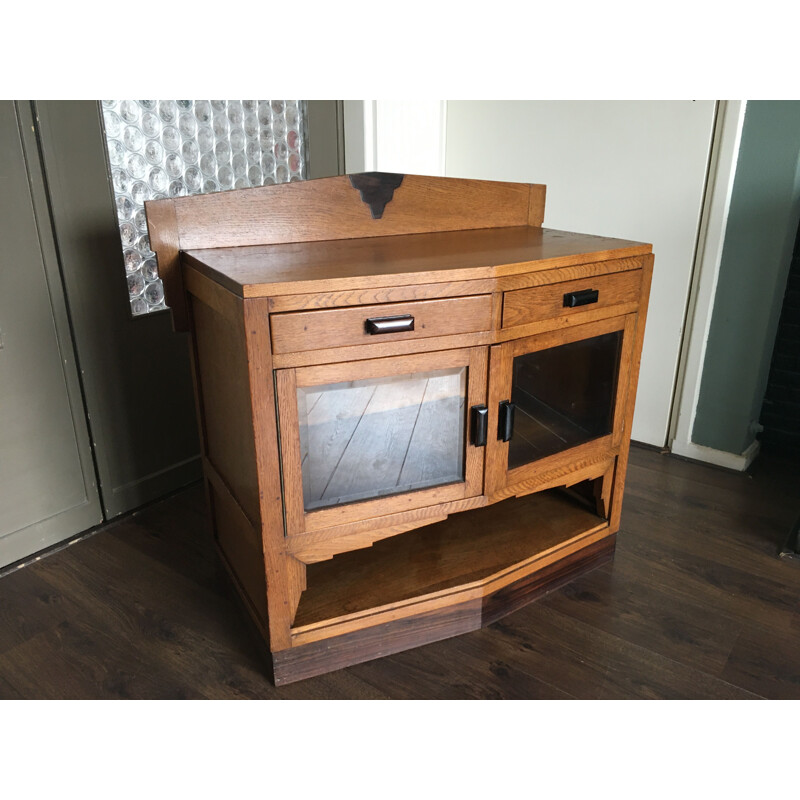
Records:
x=629, y=169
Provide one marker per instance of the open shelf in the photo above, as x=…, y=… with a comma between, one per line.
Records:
x=463, y=549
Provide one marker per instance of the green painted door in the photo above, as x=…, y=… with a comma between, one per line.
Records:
x=47, y=485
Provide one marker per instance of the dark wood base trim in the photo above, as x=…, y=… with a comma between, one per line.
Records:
x=316, y=658
x=518, y=594
x=259, y=624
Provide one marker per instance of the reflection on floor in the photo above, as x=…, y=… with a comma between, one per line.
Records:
x=695, y=604
x=371, y=438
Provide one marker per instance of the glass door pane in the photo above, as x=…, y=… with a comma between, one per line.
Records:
x=564, y=396
x=381, y=436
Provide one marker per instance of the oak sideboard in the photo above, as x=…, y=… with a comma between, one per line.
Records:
x=415, y=402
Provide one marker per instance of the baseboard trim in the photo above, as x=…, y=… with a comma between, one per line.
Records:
x=151, y=487
x=720, y=458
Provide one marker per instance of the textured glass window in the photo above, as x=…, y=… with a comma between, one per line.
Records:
x=171, y=148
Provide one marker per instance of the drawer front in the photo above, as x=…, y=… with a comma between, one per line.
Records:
x=523, y=306
x=341, y=327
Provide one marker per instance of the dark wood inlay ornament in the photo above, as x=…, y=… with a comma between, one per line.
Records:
x=376, y=189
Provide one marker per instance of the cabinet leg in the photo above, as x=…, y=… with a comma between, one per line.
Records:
x=602, y=492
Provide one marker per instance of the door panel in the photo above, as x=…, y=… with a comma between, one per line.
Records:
x=373, y=437
x=47, y=487
x=556, y=399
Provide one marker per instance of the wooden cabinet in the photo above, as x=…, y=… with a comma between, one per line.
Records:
x=415, y=401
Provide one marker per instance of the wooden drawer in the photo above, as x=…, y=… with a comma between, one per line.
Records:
x=340, y=327
x=523, y=306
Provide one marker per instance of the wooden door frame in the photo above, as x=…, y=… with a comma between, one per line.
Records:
x=586, y=458
x=298, y=521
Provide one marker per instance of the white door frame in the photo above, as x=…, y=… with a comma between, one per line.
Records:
x=713, y=223
x=364, y=136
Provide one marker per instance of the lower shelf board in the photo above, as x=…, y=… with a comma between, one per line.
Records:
x=395, y=635
x=393, y=578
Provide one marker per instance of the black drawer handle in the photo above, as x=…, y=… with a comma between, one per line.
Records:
x=403, y=322
x=479, y=424
x=505, y=420
x=582, y=298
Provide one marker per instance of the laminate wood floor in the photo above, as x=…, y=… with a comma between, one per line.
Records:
x=694, y=605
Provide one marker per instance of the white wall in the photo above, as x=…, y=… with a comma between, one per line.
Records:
x=405, y=136
x=630, y=169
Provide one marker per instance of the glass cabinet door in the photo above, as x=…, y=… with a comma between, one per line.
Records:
x=362, y=439
x=563, y=396
x=557, y=397
x=381, y=436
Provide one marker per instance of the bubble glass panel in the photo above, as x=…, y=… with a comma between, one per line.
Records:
x=172, y=148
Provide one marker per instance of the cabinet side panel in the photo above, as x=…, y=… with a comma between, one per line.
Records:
x=633, y=380
x=285, y=575
x=224, y=396
x=241, y=548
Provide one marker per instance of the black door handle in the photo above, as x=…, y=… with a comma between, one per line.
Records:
x=478, y=425
x=582, y=298
x=402, y=322
x=505, y=420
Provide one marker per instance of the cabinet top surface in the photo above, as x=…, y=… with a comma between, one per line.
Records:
x=279, y=269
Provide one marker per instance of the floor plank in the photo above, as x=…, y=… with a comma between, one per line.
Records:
x=695, y=604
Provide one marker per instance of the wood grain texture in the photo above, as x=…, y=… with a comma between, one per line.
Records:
x=404, y=347
x=501, y=481
x=536, y=203
x=603, y=486
x=291, y=457
x=431, y=291
x=462, y=550
x=566, y=322
x=695, y=604
x=224, y=391
x=317, y=330
x=241, y=546
x=318, y=657
x=281, y=573
x=634, y=362
x=403, y=260
x=336, y=442
x=281, y=280
x=330, y=208
x=441, y=601
x=591, y=464
x=213, y=295
x=162, y=228
x=530, y=305
x=383, y=367
x=354, y=647
x=513, y=596
x=323, y=544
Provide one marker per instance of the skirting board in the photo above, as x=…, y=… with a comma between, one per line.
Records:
x=720, y=458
